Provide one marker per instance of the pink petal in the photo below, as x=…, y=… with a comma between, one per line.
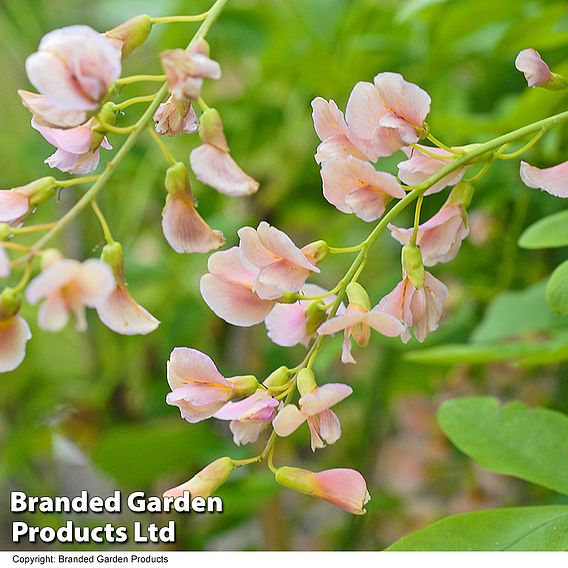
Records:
x=324, y=397
x=190, y=365
x=175, y=117
x=286, y=324
x=328, y=119
x=341, y=322
x=229, y=266
x=553, y=180
x=191, y=412
x=49, y=113
x=73, y=140
x=337, y=147
x=384, y=323
x=288, y=420
x=185, y=230
x=14, y=334
x=346, y=355
x=53, y=314
x=330, y=426
x=345, y=488
x=217, y=169
x=74, y=163
x=123, y=315
x=259, y=407
x=535, y=70
x=13, y=206
x=95, y=282
x=246, y=432
x=280, y=277
x=51, y=279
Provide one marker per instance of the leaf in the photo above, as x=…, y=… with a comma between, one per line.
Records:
x=557, y=289
x=528, y=443
x=550, y=232
x=517, y=313
x=522, y=528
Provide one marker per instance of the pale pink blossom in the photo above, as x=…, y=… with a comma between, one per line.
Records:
x=4, y=263
x=50, y=114
x=314, y=408
x=536, y=71
x=228, y=290
x=184, y=228
x=250, y=416
x=74, y=67
x=344, y=488
x=287, y=324
x=420, y=166
x=420, y=308
x=208, y=480
x=356, y=323
x=14, y=335
x=176, y=117
x=279, y=264
x=553, y=180
x=337, y=139
x=388, y=114
x=68, y=287
x=77, y=148
x=354, y=186
x=212, y=162
x=14, y=206
x=440, y=237
x=186, y=69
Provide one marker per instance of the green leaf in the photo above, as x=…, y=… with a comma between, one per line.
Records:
x=550, y=232
x=136, y=455
x=528, y=443
x=522, y=528
x=557, y=289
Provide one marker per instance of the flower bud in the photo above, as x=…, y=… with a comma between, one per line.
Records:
x=177, y=179
x=461, y=194
x=316, y=251
x=107, y=114
x=38, y=191
x=306, y=381
x=112, y=254
x=243, y=385
x=49, y=256
x=289, y=298
x=211, y=129
x=412, y=265
x=5, y=231
x=295, y=478
x=315, y=316
x=356, y=294
x=277, y=378
x=10, y=303
x=206, y=481
x=131, y=33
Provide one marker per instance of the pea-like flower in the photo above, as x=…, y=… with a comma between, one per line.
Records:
x=68, y=287
x=50, y=114
x=345, y=488
x=14, y=206
x=250, y=416
x=553, y=180
x=175, y=117
x=534, y=68
x=198, y=388
x=14, y=331
x=228, y=290
x=354, y=186
x=73, y=68
x=280, y=266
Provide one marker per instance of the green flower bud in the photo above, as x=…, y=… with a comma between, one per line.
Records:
x=177, y=179
x=132, y=33
x=38, y=191
x=316, y=251
x=356, y=294
x=5, y=231
x=211, y=129
x=277, y=378
x=315, y=316
x=306, y=381
x=289, y=298
x=461, y=194
x=243, y=385
x=10, y=302
x=412, y=265
x=300, y=480
x=113, y=255
x=557, y=83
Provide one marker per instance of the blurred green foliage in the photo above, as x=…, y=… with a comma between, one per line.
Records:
x=105, y=393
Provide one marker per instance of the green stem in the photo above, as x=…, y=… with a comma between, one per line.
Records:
x=180, y=19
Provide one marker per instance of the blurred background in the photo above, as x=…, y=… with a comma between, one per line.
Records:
x=88, y=411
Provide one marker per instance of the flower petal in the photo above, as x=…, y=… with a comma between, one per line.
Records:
x=288, y=420
x=553, y=180
x=14, y=334
x=324, y=397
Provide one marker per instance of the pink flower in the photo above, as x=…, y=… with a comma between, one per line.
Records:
x=420, y=166
x=314, y=409
x=249, y=416
x=174, y=117
x=208, y=480
x=68, y=286
x=358, y=320
x=77, y=148
x=354, y=186
x=287, y=324
x=553, y=180
x=183, y=227
x=536, y=71
x=212, y=163
x=120, y=312
x=4, y=263
x=74, y=67
x=280, y=266
x=419, y=308
x=49, y=114
x=388, y=114
x=186, y=69
x=440, y=237
x=228, y=290
x=14, y=335
x=337, y=139
x=198, y=389
x=14, y=206
x=344, y=488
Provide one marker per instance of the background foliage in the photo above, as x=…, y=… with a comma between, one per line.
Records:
x=88, y=411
